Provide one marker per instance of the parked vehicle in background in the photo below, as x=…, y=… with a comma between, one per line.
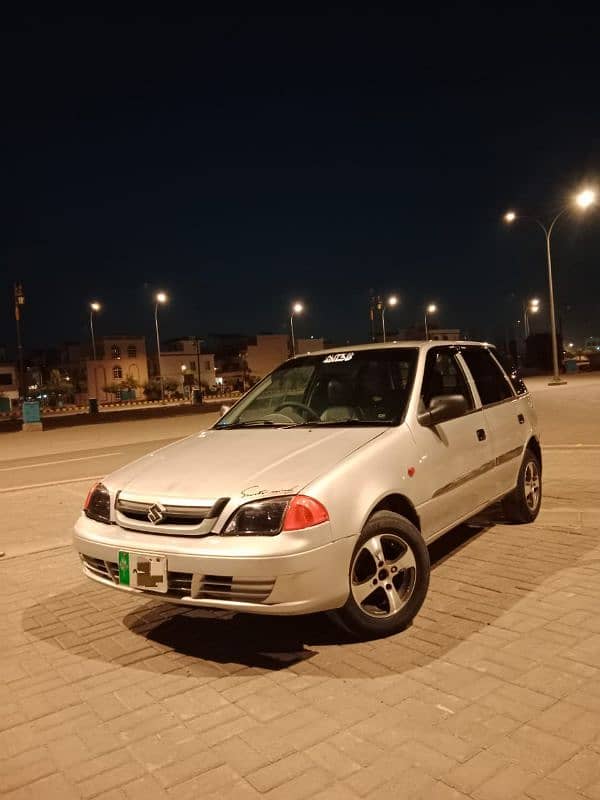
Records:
x=320, y=489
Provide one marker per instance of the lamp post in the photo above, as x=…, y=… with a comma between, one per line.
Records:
x=583, y=200
x=392, y=302
x=93, y=307
x=430, y=309
x=160, y=299
x=531, y=307
x=20, y=301
x=297, y=308
x=183, y=374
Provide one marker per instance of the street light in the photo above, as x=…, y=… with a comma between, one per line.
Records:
x=93, y=307
x=160, y=298
x=297, y=308
x=430, y=309
x=531, y=307
x=583, y=200
x=391, y=301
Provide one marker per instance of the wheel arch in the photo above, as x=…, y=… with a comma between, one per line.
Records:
x=534, y=445
x=399, y=504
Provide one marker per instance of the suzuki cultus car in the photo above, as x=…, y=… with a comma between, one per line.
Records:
x=320, y=489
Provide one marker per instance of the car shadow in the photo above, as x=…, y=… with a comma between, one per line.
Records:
x=259, y=641
x=202, y=642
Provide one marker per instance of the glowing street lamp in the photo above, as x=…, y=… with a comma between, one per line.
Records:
x=392, y=301
x=531, y=307
x=430, y=309
x=297, y=308
x=94, y=307
x=583, y=200
x=160, y=299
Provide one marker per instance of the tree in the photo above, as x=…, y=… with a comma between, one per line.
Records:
x=112, y=388
x=130, y=383
x=56, y=387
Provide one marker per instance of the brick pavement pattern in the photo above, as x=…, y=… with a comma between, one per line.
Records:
x=492, y=694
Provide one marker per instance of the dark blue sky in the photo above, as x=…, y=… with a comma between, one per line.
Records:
x=242, y=162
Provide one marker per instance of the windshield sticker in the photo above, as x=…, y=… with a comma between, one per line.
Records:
x=334, y=357
x=256, y=491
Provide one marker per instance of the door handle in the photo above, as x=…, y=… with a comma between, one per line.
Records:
x=481, y=435
x=521, y=419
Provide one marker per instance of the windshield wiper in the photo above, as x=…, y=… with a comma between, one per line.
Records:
x=319, y=423
x=251, y=423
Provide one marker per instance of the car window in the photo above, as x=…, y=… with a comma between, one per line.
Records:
x=491, y=382
x=443, y=375
x=513, y=373
x=362, y=387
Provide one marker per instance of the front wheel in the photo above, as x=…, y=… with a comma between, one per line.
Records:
x=522, y=505
x=388, y=577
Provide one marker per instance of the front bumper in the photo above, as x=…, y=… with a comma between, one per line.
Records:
x=293, y=573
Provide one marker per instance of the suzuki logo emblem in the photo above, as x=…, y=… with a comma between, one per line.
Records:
x=156, y=513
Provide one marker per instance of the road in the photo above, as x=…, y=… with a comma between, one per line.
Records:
x=492, y=694
x=51, y=471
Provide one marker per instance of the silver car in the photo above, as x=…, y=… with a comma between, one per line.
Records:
x=322, y=487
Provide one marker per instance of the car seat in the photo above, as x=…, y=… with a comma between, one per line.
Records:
x=339, y=398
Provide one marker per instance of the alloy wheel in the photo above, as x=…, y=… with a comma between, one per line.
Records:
x=383, y=575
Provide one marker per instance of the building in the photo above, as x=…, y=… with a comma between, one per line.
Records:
x=119, y=358
x=182, y=360
x=435, y=334
x=271, y=350
x=9, y=381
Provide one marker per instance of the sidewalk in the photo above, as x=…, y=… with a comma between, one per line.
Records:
x=493, y=694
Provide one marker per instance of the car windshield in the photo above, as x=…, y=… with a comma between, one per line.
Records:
x=365, y=387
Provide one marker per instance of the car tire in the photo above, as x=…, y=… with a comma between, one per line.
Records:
x=391, y=559
x=522, y=505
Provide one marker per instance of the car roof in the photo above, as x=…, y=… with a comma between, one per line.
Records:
x=394, y=345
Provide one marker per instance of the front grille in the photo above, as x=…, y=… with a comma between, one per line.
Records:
x=221, y=587
x=173, y=514
x=180, y=583
x=100, y=567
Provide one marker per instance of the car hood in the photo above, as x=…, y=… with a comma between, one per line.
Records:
x=239, y=463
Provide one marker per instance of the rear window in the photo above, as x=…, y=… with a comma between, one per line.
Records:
x=513, y=372
x=493, y=386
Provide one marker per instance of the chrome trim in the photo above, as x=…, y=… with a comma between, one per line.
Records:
x=476, y=473
x=181, y=518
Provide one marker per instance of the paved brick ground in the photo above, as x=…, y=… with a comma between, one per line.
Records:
x=493, y=694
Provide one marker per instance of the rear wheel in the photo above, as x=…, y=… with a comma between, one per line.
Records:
x=522, y=505
x=388, y=577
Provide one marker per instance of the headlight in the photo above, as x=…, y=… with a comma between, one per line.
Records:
x=97, y=503
x=270, y=517
x=263, y=518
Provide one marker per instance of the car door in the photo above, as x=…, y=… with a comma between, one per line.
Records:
x=506, y=414
x=455, y=456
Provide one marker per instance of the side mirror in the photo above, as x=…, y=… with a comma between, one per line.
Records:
x=442, y=408
x=223, y=410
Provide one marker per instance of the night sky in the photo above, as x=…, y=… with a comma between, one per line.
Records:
x=243, y=162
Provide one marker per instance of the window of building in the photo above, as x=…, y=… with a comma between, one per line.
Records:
x=193, y=366
x=492, y=384
x=117, y=372
x=443, y=375
x=5, y=379
x=131, y=351
x=115, y=351
x=207, y=365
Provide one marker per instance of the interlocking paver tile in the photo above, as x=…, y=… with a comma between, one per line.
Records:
x=540, y=750
x=493, y=693
x=580, y=771
x=507, y=784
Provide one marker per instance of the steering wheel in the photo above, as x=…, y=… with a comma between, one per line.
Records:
x=313, y=417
